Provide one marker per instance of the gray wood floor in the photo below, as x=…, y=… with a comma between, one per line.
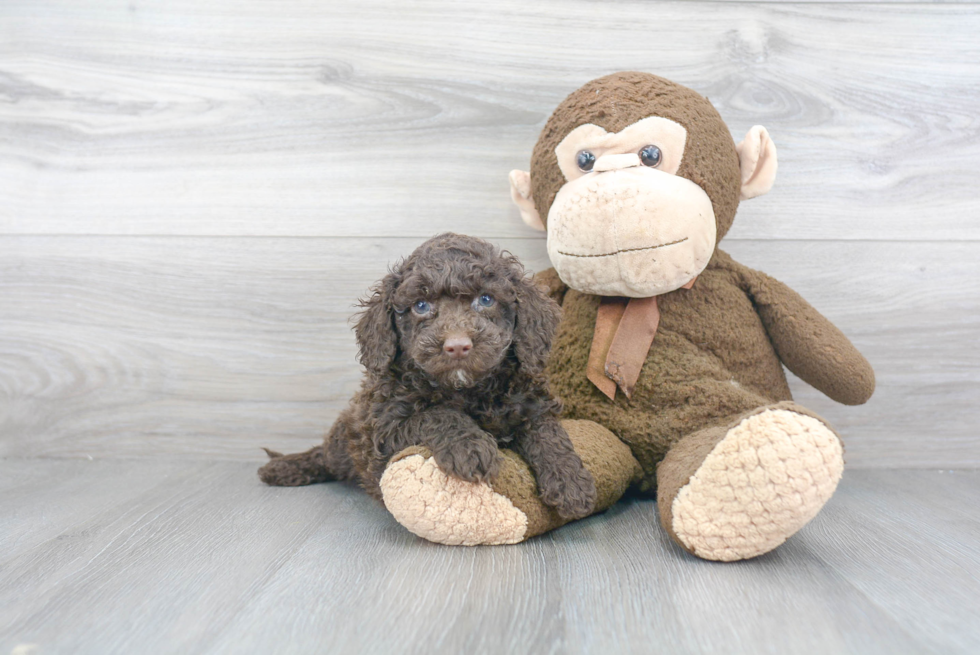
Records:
x=175, y=556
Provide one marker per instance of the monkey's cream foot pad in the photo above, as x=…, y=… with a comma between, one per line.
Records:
x=761, y=483
x=447, y=510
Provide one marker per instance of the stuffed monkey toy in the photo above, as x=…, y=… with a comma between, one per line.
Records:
x=669, y=357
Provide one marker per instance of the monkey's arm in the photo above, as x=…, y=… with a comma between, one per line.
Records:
x=552, y=284
x=807, y=343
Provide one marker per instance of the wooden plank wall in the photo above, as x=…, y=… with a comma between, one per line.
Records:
x=193, y=195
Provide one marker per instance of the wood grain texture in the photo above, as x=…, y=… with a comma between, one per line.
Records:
x=374, y=118
x=212, y=347
x=904, y=521
x=208, y=560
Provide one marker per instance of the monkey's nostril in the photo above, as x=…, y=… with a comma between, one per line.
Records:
x=457, y=347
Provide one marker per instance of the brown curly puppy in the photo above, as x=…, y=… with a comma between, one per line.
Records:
x=454, y=340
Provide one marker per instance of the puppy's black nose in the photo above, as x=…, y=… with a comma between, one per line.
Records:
x=457, y=347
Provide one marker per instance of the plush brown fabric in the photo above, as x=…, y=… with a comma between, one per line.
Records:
x=616, y=101
x=810, y=345
x=711, y=359
x=606, y=457
x=720, y=345
x=719, y=351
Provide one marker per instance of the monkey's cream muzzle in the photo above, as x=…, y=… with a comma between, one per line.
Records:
x=625, y=229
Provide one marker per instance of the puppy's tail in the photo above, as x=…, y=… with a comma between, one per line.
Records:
x=296, y=470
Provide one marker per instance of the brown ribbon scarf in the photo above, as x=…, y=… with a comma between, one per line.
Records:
x=624, y=331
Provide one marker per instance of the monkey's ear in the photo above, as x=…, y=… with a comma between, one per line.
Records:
x=377, y=338
x=520, y=193
x=757, y=160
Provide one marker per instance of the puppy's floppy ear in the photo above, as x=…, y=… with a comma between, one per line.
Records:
x=377, y=338
x=537, y=319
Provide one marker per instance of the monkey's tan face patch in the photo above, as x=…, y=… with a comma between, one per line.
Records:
x=625, y=227
x=670, y=137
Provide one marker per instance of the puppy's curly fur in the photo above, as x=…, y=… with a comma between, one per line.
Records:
x=454, y=342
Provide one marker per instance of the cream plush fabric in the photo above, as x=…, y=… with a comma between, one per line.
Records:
x=447, y=510
x=765, y=480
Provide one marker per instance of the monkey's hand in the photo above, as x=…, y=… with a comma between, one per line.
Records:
x=811, y=346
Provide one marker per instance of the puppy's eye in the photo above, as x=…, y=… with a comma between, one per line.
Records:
x=486, y=300
x=650, y=156
x=421, y=307
x=585, y=160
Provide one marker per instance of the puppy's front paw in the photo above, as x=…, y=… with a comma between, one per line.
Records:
x=471, y=458
x=571, y=491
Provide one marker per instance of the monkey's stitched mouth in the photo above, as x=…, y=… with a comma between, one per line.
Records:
x=610, y=254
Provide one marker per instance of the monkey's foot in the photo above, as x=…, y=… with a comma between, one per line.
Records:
x=736, y=493
x=508, y=510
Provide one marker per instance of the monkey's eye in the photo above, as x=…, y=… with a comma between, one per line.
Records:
x=486, y=300
x=650, y=156
x=585, y=160
x=421, y=307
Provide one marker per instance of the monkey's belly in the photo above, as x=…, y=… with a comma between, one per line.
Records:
x=699, y=372
x=668, y=403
